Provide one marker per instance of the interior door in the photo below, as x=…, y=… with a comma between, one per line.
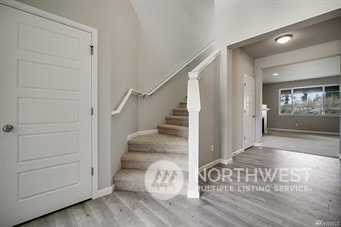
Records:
x=45, y=116
x=249, y=112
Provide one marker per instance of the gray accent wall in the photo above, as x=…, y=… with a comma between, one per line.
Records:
x=209, y=123
x=242, y=63
x=308, y=123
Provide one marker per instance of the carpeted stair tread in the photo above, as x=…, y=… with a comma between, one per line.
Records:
x=143, y=160
x=174, y=130
x=178, y=117
x=177, y=120
x=153, y=156
x=158, y=138
x=175, y=127
x=159, y=143
x=183, y=104
x=133, y=180
x=180, y=112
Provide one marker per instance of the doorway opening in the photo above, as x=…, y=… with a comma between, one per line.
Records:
x=297, y=91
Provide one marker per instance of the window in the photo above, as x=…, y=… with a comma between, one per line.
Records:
x=315, y=100
x=286, y=102
x=332, y=100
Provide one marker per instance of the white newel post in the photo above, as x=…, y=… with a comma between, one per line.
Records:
x=193, y=107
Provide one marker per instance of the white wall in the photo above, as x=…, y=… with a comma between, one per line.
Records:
x=171, y=32
x=242, y=19
x=117, y=70
x=242, y=64
x=238, y=20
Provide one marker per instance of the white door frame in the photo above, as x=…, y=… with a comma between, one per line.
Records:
x=254, y=102
x=94, y=76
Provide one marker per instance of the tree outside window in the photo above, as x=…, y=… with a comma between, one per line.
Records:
x=319, y=100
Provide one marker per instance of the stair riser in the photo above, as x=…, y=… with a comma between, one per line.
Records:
x=174, y=132
x=183, y=105
x=177, y=122
x=180, y=113
x=161, y=148
x=145, y=165
x=138, y=187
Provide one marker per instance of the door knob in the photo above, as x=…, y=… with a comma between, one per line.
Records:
x=7, y=128
x=253, y=116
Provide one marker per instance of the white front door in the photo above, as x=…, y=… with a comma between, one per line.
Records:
x=249, y=112
x=45, y=96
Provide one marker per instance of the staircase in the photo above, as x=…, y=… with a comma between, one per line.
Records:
x=170, y=143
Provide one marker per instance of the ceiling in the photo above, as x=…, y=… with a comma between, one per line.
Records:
x=323, y=32
x=301, y=71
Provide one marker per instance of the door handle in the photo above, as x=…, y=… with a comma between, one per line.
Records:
x=7, y=128
x=253, y=115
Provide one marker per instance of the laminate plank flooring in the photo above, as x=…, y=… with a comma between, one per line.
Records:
x=223, y=208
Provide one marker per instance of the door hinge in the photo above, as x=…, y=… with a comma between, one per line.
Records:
x=92, y=49
x=244, y=84
x=244, y=137
x=92, y=171
x=92, y=111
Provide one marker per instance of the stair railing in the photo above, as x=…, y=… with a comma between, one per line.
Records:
x=133, y=91
x=193, y=107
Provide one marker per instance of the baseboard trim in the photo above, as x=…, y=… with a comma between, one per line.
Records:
x=237, y=152
x=226, y=161
x=193, y=194
x=209, y=165
x=215, y=162
x=305, y=131
x=104, y=191
x=140, y=133
x=258, y=144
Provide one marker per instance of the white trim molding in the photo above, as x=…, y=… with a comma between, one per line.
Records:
x=258, y=144
x=209, y=165
x=141, y=133
x=226, y=161
x=304, y=131
x=105, y=191
x=193, y=107
x=237, y=152
x=193, y=194
x=215, y=162
x=339, y=156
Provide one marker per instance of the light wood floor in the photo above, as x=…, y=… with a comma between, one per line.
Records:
x=236, y=208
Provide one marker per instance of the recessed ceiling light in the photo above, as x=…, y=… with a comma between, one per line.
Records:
x=283, y=38
x=275, y=74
